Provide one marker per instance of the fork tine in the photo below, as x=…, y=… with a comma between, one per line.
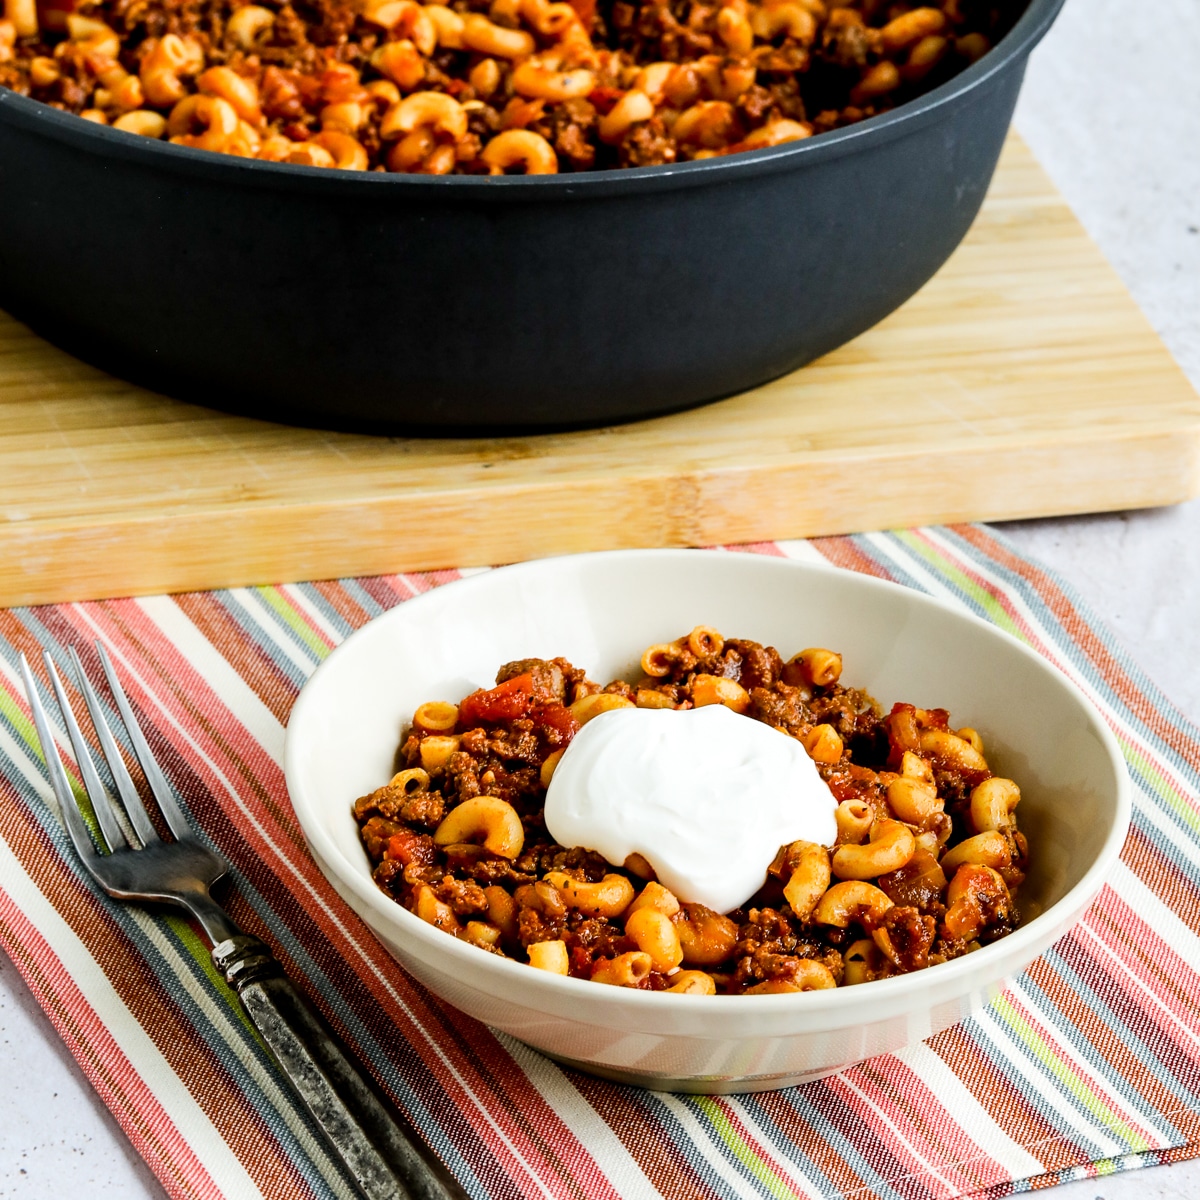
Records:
x=96, y=793
x=154, y=776
x=73, y=819
x=134, y=808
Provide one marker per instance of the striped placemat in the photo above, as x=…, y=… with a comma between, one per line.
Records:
x=1089, y=1064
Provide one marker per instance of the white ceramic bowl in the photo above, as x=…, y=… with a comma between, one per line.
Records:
x=600, y=611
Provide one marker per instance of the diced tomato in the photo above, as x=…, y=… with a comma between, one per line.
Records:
x=559, y=719
x=519, y=113
x=408, y=847
x=52, y=14
x=902, y=731
x=505, y=702
x=843, y=786
x=604, y=99
x=852, y=782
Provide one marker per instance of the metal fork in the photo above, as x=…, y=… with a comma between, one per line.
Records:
x=383, y=1158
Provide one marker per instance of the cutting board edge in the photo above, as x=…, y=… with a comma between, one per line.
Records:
x=48, y=562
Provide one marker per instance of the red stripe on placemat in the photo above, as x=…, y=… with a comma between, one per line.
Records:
x=1035, y=1021
x=1031, y=633
x=767, y=549
x=1148, y=861
x=135, y=1107
x=336, y=596
x=383, y=595
x=1003, y=1100
x=261, y=673
x=845, y=1091
x=664, y=1163
x=904, y=1097
x=152, y=1005
x=844, y=552
x=783, y=1109
x=300, y=609
x=1180, y=1055
x=1166, y=988
x=729, y=1109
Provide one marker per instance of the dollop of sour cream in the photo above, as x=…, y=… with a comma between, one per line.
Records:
x=705, y=796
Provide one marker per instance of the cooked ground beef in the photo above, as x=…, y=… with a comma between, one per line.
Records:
x=479, y=87
x=503, y=746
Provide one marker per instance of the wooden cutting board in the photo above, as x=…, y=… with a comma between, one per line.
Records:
x=1022, y=381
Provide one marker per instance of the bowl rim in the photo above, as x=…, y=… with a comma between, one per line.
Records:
x=34, y=116
x=1024, y=943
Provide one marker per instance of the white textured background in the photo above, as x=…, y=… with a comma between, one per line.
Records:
x=1112, y=109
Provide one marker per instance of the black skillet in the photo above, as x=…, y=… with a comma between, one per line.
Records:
x=466, y=305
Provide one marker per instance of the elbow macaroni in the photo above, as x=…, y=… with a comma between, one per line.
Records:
x=456, y=835
x=552, y=86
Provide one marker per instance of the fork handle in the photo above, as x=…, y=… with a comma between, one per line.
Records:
x=381, y=1156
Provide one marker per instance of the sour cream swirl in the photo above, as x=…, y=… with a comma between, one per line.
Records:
x=705, y=796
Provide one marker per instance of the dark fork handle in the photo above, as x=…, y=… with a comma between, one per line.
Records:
x=381, y=1157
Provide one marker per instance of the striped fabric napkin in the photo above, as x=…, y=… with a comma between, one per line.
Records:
x=1089, y=1064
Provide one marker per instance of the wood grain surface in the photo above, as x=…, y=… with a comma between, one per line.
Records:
x=1021, y=381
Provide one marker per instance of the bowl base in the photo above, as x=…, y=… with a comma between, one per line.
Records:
x=696, y=1085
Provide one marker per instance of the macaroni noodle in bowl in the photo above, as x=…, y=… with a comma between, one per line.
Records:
x=487, y=87
x=900, y=848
